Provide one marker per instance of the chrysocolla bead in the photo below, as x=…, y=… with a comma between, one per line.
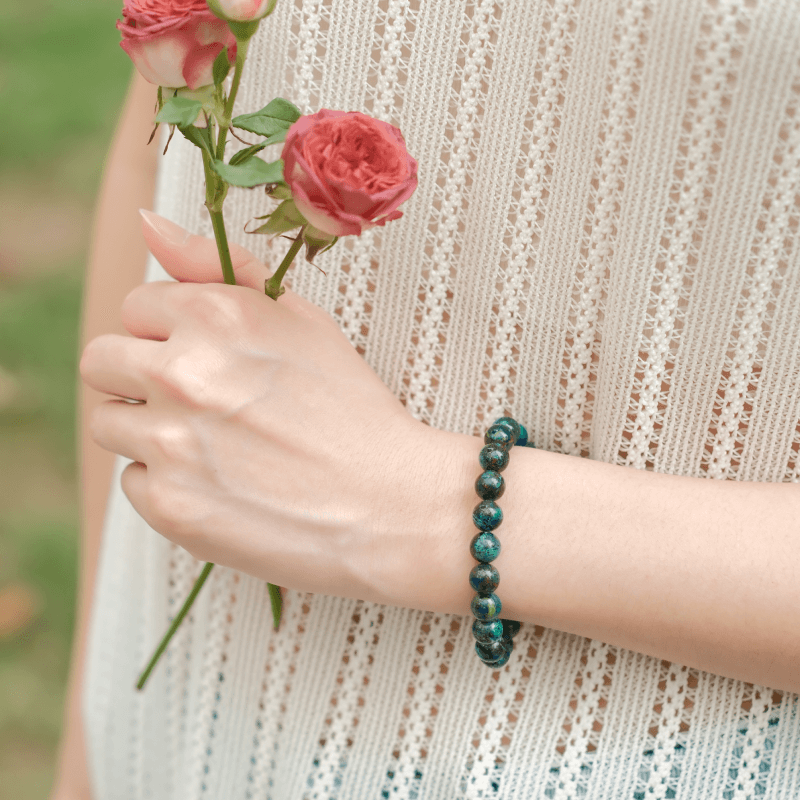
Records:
x=503, y=660
x=499, y=434
x=511, y=424
x=491, y=631
x=493, y=457
x=484, y=578
x=485, y=547
x=490, y=485
x=510, y=627
x=523, y=437
x=487, y=515
x=491, y=652
x=486, y=606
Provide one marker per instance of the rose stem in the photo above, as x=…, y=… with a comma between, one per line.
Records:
x=198, y=585
x=272, y=287
x=225, y=123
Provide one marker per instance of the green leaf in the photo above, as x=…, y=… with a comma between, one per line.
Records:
x=278, y=191
x=271, y=121
x=284, y=218
x=180, y=111
x=243, y=155
x=252, y=172
x=221, y=67
x=199, y=137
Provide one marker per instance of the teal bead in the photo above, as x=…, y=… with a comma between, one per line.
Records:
x=499, y=434
x=485, y=547
x=487, y=515
x=491, y=631
x=486, y=606
x=490, y=652
x=503, y=660
x=511, y=627
x=490, y=485
x=523, y=437
x=493, y=457
x=484, y=578
x=510, y=424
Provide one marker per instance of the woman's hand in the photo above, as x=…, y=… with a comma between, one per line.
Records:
x=262, y=440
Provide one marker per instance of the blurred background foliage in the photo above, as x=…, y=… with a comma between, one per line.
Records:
x=62, y=83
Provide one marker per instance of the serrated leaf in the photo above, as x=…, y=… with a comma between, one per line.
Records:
x=180, y=111
x=252, y=172
x=281, y=109
x=246, y=153
x=284, y=218
x=272, y=121
x=221, y=67
x=199, y=137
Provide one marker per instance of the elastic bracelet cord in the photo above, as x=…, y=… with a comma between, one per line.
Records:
x=494, y=636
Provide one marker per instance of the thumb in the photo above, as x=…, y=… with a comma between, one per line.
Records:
x=190, y=258
x=194, y=259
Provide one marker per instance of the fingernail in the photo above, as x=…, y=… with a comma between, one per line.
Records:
x=165, y=228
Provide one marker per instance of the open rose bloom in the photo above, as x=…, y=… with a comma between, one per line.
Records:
x=173, y=43
x=347, y=171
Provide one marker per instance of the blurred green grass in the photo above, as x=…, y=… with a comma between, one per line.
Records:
x=62, y=83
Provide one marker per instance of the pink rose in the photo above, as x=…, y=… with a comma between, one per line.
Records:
x=241, y=10
x=347, y=171
x=174, y=43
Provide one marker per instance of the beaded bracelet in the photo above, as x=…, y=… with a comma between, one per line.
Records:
x=494, y=636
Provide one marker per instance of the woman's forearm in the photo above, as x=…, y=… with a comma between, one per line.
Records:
x=701, y=572
x=116, y=265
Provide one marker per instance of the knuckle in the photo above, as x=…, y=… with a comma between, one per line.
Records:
x=180, y=375
x=220, y=309
x=174, y=442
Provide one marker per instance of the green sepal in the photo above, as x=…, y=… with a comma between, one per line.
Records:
x=221, y=67
x=252, y=172
x=247, y=152
x=243, y=30
x=272, y=121
x=278, y=191
x=180, y=111
x=200, y=137
x=317, y=242
x=284, y=218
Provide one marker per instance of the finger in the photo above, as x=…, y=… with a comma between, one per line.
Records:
x=118, y=365
x=121, y=427
x=134, y=486
x=195, y=259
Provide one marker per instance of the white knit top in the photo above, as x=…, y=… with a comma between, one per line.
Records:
x=604, y=244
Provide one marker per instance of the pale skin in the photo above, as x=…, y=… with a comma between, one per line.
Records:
x=371, y=503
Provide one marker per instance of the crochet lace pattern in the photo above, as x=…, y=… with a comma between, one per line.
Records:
x=604, y=243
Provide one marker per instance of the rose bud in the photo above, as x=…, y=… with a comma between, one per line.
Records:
x=241, y=10
x=347, y=171
x=173, y=43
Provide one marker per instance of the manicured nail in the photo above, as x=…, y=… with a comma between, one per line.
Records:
x=167, y=229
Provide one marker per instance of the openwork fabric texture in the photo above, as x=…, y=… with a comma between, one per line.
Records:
x=604, y=244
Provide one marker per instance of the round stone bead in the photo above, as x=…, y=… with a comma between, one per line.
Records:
x=491, y=652
x=485, y=547
x=522, y=441
x=491, y=631
x=511, y=424
x=499, y=434
x=484, y=578
x=510, y=628
x=486, y=607
x=503, y=660
x=487, y=515
x=494, y=457
x=490, y=485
